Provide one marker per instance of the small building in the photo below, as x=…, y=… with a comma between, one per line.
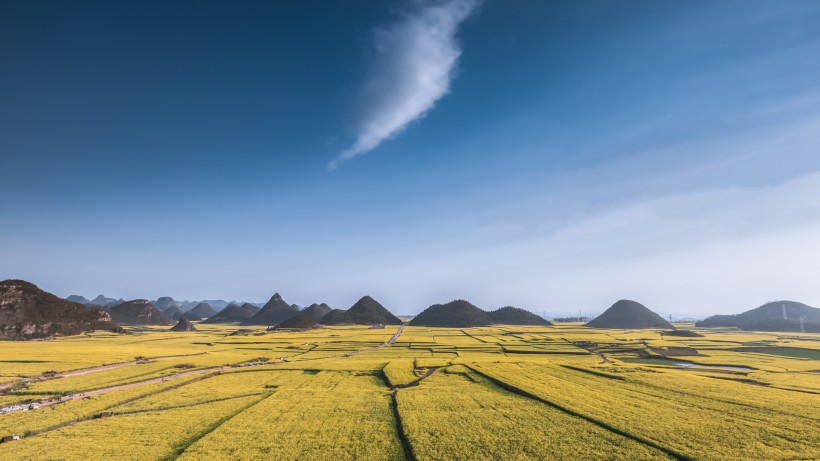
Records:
x=9, y=438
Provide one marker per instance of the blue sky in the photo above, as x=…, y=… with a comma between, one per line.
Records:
x=550, y=155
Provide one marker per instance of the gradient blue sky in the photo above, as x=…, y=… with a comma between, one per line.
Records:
x=577, y=152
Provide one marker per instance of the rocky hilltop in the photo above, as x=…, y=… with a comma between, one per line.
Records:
x=27, y=312
x=183, y=325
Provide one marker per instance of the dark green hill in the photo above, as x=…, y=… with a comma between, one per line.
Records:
x=455, y=314
x=298, y=322
x=27, y=312
x=773, y=316
x=190, y=316
x=250, y=307
x=138, y=312
x=516, y=316
x=334, y=317
x=366, y=311
x=203, y=310
x=233, y=313
x=274, y=312
x=317, y=311
x=626, y=314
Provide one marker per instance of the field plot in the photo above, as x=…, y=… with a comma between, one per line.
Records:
x=501, y=392
x=734, y=425
x=333, y=415
x=451, y=416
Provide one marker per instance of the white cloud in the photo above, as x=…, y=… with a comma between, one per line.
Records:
x=414, y=64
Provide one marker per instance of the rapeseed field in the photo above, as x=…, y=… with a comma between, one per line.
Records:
x=500, y=392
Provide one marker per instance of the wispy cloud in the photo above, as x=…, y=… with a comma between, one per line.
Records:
x=413, y=66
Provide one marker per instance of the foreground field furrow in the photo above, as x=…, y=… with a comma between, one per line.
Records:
x=684, y=424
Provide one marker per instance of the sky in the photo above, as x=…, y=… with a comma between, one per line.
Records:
x=556, y=156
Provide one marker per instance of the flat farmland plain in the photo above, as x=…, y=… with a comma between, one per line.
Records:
x=502, y=392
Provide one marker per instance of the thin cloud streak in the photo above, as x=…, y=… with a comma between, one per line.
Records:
x=414, y=64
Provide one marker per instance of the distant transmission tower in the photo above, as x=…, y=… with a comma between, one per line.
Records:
x=784, y=311
x=802, y=329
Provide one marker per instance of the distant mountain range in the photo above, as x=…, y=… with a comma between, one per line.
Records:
x=162, y=303
x=100, y=301
x=26, y=312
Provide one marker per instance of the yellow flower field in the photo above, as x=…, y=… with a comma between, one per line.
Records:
x=500, y=392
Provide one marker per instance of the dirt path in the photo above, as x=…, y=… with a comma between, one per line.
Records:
x=421, y=378
x=84, y=371
x=603, y=358
x=106, y=390
x=389, y=342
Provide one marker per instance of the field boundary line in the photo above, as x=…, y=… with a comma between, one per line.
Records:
x=409, y=454
x=187, y=405
x=179, y=450
x=515, y=390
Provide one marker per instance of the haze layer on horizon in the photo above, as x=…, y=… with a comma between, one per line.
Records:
x=547, y=155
